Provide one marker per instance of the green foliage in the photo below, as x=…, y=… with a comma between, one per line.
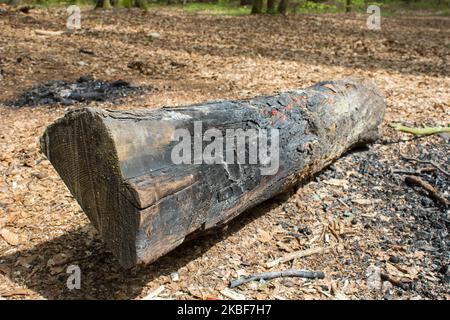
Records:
x=221, y=7
x=55, y=3
x=232, y=7
x=126, y=3
x=425, y=130
x=81, y=3
x=314, y=7
x=438, y=7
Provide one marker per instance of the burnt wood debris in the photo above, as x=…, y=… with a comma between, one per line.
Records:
x=119, y=167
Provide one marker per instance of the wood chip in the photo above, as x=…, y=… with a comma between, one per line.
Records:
x=231, y=294
x=362, y=201
x=154, y=294
x=48, y=33
x=299, y=254
x=15, y=292
x=10, y=237
x=337, y=183
x=264, y=236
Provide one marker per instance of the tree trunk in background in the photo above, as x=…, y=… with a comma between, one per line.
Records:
x=257, y=6
x=348, y=6
x=282, y=6
x=103, y=4
x=245, y=2
x=140, y=4
x=127, y=3
x=120, y=168
x=15, y=3
x=271, y=6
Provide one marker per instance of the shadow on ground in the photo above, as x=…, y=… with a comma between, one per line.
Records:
x=101, y=275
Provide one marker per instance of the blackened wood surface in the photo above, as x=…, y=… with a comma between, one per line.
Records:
x=118, y=165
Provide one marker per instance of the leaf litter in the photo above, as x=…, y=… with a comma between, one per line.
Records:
x=360, y=206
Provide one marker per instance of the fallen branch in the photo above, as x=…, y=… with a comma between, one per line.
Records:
x=434, y=164
x=419, y=131
x=418, y=172
x=432, y=192
x=278, y=274
x=298, y=254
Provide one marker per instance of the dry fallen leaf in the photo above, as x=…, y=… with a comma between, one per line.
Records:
x=218, y=68
x=337, y=183
x=264, y=236
x=283, y=246
x=10, y=237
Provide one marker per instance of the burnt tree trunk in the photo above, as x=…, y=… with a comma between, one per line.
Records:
x=119, y=164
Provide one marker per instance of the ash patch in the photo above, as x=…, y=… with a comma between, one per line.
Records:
x=84, y=90
x=420, y=226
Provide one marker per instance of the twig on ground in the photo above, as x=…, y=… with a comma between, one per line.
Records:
x=434, y=164
x=400, y=171
x=231, y=294
x=15, y=292
x=154, y=294
x=388, y=142
x=334, y=233
x=345, y=205
x=48, y=33
x=427, y=170
x=404, y=285
x=278, y=274
x=87, y=51
x=419, y=131
x=415, y=173
x=432, y=192
x=298, y=254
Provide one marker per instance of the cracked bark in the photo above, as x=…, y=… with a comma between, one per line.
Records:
x=118, y=165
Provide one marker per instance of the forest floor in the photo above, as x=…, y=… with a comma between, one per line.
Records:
x=388, y=240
